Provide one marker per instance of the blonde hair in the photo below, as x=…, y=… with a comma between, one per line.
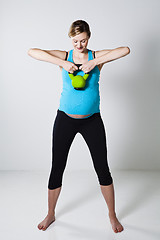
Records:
x=78, y=27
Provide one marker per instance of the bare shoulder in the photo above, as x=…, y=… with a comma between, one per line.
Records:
x=99, y=54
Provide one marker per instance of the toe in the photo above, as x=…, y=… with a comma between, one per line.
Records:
x=44, y=228
x=120, y=229
x=39, y=226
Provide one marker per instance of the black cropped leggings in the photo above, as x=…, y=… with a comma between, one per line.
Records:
x=64, y=130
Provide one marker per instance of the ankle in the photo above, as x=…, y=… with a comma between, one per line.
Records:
x=51, y=213
x=112, y=214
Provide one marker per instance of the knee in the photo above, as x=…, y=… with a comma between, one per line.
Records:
x=105, y=179
x=106, y=182
x=52, y=186
x=54, y=182
x=55, y=179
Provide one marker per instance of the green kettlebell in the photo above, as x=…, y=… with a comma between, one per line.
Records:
x=78, y=82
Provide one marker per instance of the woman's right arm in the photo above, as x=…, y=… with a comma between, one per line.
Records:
x=53, y=56
x=44, y=55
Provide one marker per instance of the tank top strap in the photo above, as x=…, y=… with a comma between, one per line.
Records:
x=90, y=56
x=70, y=57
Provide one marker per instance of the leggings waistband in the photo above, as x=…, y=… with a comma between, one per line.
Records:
x=78, y=118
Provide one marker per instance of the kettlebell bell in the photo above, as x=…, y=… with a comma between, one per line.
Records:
x=78, y=82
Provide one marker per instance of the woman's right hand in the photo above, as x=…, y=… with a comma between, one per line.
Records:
x=69, y=66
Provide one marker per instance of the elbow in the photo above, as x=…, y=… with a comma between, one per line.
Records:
x=29, y=51
x=127, y=49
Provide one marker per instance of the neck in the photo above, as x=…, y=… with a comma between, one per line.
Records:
x=81, y=55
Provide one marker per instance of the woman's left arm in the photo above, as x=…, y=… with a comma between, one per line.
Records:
x=103, y=57
x=111, y=55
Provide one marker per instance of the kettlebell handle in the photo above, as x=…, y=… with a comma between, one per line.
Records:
x=78, y=65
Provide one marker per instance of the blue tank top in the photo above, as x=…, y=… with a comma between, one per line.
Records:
x=82, y=102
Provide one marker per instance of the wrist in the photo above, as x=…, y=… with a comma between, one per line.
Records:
x=61, y=63
x=95, y=61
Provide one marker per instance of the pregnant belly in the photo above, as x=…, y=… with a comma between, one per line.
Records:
x=77, y=116
x=79, y=104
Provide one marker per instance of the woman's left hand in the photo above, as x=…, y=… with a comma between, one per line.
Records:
x=88, y=66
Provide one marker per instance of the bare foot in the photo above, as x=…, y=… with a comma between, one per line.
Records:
x=116, y=225
x=50, y=218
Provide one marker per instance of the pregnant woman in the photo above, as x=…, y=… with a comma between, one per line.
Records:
x=79, y=111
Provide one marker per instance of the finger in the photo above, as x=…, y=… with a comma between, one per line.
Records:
x=71, y=71
x=75, y=67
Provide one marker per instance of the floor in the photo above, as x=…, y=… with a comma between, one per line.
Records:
x=81, y=211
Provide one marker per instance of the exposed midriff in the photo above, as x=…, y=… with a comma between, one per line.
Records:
x=77, y=116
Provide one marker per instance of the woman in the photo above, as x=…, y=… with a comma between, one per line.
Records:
x=79, y=112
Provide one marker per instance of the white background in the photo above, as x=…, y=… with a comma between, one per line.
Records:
x=129, y=87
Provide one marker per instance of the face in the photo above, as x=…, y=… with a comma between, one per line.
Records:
x=80, y=41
